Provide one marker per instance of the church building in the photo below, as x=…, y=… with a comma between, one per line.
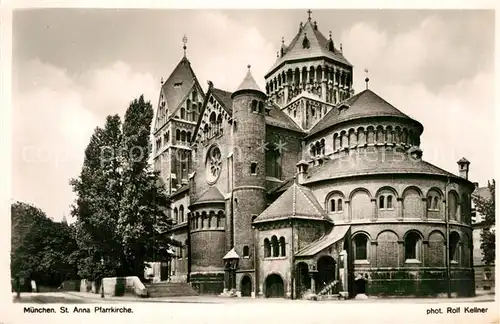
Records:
x=306, y=187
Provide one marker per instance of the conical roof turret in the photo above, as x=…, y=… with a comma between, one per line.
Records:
x=248, y=84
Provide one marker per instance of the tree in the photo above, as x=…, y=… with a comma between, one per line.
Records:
x=41, y=248
x=144, y=197
x=97, y=206
x=486, y=207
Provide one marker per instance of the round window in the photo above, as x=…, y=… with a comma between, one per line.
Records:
x=213, y=164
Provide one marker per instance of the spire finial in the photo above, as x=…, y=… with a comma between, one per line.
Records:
x=184, y=40
x=340, y=47
x=330, y=34
x=161, y=80
x=283, y=40
x=367, y=79
x=249, y=66
x=309, y=12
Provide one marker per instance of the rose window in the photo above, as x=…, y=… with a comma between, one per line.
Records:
x=213, y=164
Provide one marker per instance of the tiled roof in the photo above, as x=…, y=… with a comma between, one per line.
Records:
x=178, y=84
x=231, y=255
x=224, y=98
x=248, y=83
x=483, y=192
x=364, y=104
x=283, y=186
x=318, y=47
x=278, y=118
x=379, y=162
x=297, y=202
x=211, y=195
x=337, y=233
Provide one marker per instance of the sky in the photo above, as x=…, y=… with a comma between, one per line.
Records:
x=73, y=67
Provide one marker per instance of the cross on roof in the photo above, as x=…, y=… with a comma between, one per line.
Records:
x=309, y=12
x=184, y=40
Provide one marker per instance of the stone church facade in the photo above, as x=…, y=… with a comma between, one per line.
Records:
x=306, y=186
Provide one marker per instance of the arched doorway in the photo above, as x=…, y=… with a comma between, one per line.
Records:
x=326, y=272
x=246, y=286
x=303, y=278
x=274, y=286
x=360, y=285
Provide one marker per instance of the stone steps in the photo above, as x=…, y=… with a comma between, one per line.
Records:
x=170, y=289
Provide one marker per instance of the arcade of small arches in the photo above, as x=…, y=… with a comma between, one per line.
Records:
x=214, y=126
x=179, y=214
x=182, y=137
x=371, y=135
x=207, y=220
x=415, y=248
x=257, y=107
x=337, y=82
x=192, y=109
x=274, y=247
x=388, y=204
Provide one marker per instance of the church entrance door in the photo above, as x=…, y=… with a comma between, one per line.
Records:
x=274, y=286
x=326, y=272
x=246, y=286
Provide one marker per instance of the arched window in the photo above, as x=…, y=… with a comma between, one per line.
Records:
x=389, y=202
x=183, y=113
x=282, y=246
x=454, y=248
x=381, y=202
x=261, y=107
x=275, y=246
x=452, y=205
x=360, y=247
x=213, y=126
x=181, y=213
x=339, y=205
x=219, y=123
x=433, y=198
x=253, y=168
x=177, y=135
x=332, y=205
x=188, y=136
x=267, y=248
x=412, y=246
x=176, y=214
x=183, y=136
x=246, y=251
x=254, y=106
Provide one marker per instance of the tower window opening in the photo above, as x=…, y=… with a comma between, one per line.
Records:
x=253, y=168
x=246, y=251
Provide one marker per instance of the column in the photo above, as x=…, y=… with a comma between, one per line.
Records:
x=323, y=83
x=399, y=205
x=374, y=210
x=424, y=207
x=312, y=273
x=286, y=94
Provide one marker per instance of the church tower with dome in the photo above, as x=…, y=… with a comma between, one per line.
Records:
x=307, y=188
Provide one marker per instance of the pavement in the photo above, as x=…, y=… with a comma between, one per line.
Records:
x=74, y=297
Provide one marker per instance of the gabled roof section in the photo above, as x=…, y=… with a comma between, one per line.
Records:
x=278, y=118
x=364, y=104
x=318, y=47
x=211, y=195
x=178, y=84
x=224, y=98
x=297, y=202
